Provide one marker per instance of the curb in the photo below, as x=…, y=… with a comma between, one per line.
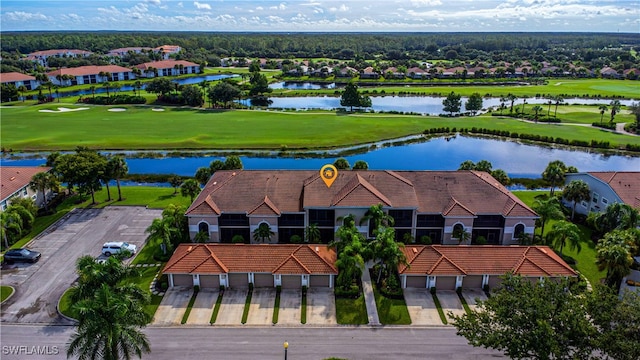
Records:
x=13, y=292
x=75, y=321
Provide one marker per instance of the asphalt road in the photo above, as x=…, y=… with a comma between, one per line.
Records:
x=39, y=286
x=238, y=343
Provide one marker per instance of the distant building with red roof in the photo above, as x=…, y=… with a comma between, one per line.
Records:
x=167, y=50
x=42, y=56
x=19, y=79
x=90, y=75
x=607, y=187
x=168, y=68
x=14, y=182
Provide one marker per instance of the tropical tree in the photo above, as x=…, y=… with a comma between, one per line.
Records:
x=524, y=102
x=223, y=92
x=387, y=254
x=174, y=215
x=512, y=99
x=617, y=216
x=92, y=274
x=564, y=232
x=536, y=109
x=501, y=176
x=576, y=191
x=162, y=229
x=202, y=175
x=634, y=108
x=190, y=188
x=549, y=102
x=557, y=100
x=615, y=108
x=106, y=85
x=118, y=167
x=136, y=87
x=483, y=165
x=263, y=232
x=43, y=181
x=376, y=216
x=467, y=165
x=175, y=181
x=351, y=97
x=452, y=103
x=613, y=254
x=192, y=95
x=461, y=234
x=21, y=90
x=360, y=165
x=554, y=174
x=11, y=224
x=547, y=209
x=83, y=168
x=474, y=103
x=603, y=109
x=312, y=234
x=342, y=164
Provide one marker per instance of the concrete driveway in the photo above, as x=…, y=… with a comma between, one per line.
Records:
x=81, y=232
x=470, y=296
x=203, y=307
x=422, y=308
x=173, y=306
x=232, y=307
x=261, y=308
x=450, y=302
x=290, y=307
x=321, y=307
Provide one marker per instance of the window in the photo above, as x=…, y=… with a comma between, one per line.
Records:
x=322, y=217
x=233, y=220
x=430, y=221
x=401, y=218
x=518, y=230
x=595, y=198
x=457, y=228
x=605, y=201
x=24, y=192
x=489, y=221
x=291, y=220
x=203, y=227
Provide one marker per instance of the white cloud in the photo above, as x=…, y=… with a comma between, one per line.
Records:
x=342, y=8
x=201, y=6
x=180, y=4
x=154, y=2
x=25, y=16
x=259, y=8
x=282, y=6
x=425, y=3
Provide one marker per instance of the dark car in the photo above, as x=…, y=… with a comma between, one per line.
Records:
x=21, y=255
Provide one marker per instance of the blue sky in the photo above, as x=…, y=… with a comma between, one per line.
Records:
x=323, y=15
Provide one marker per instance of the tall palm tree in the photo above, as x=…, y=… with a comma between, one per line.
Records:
x=563, y=232
x=613, y=255
x=549, y=102
x=603, y=109
x=119, y=168
x=93, y=91
x=554, y=174
x=617, y=216
x=175, y=181
x=378, y=217
x=43, y=181
x=11, y=223
x=136, y=87
x=190, y=188
x=547, y=209
x=263, y=232
x=22, y=89
x=558, y=100
x=576, y=191
x=93, y=274
x=174, y=214
x=536, y=109
x=106, y=85
x=615, y=107
x=109, y=326
x=511, y=98
x=312, y=234
x=162, y=230
x=524, y=102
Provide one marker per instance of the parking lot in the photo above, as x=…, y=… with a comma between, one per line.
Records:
x=82, y=232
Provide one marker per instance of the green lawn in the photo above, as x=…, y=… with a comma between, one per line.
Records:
x=64, y=305
x=26, y=129
x=144, y=282
x=151, y=196
x=391, y=311
x=351, y=311
x=5, y=292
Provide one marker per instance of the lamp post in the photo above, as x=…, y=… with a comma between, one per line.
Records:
x=286, y=346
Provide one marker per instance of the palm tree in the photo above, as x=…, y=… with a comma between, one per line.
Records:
x=119, y=169
x=613, y=255
x=511, y=98
x=536, y=109
x=106, y=85
x=190, y=188
x=312, y=234
x=547, y=209
x=558, y=100
x=615, y=107
x=108, y=326
x=549, y=102
x=378, y=217
x=461, y=234
x=603, y=109
x=162, y=230
x=175, y=181
x=524, y=102
x=48, y=85
x=136, y=87
x=263, y=232
x=617, y=216
x=93, y=91
x=554, y=174
x=576, y=191
x=22, y=89
x=11, y=222
x=93, y=274
x=41, y=182
x=174, y=214
x=564, y=231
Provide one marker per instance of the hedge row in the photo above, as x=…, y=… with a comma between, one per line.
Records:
x=114, y=100
x=610, y=126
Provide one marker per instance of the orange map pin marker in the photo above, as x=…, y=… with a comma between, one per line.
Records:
x=328, y=173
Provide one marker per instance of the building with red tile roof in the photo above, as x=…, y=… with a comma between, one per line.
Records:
x=167, y=50
x=19, y=79
x=168, y=68
x=90, y=75
x=122, y=52
x=237, y=265
x=451, y=267
x=14, y=182
x=42, y=56
x=423, y=203
x=607, y=187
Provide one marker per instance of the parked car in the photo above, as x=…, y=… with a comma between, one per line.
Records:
x=111, y=248
x=21, y=255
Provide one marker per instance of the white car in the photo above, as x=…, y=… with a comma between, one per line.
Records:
x=111, y=248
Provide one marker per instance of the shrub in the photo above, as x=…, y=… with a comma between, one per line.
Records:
x=196, y=289
x=237, y=239
x=481, y=240
x=279, y=288
x=485, y=288
x=295, y=239
x=425, y=240
x=351, y=293
x=222, y=288
x=459, y=290
x=304, y=290
x=433, y=290
x=250, y=286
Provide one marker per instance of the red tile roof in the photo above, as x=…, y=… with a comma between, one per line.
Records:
x=54, y=52
x=14, y=178
x=165, y=64
x=15, y=76
x=625, y=183
x=89, y=70
x=453, y=193
x=483, y=260
x=241, y=258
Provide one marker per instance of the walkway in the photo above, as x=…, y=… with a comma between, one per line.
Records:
x=369, y=298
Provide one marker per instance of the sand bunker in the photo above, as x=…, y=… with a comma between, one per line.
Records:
x=63, y=109
x=157, y=109
x=117, y=109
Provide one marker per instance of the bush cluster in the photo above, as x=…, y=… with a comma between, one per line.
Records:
x=351, y=293
x=610, y=126
x=114, y=100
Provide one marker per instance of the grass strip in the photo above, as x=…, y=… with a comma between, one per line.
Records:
x=5, y=292
x=303, y=309
x=276, y=306
x=185, y=317
x=216, y=308
x=351, y=311
x=247, y=305
x=391, y=311
x=466, y=307
x=64, y=305
x=443, y=318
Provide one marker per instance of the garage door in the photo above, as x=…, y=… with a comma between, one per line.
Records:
x=417, y=282
x=472, y=282
x=319, y=281
x=263, y=280
x=291, y=281
x=239, y=281
x=182, y=280
x=209, y=281
x=446, y=283
x=494, y=281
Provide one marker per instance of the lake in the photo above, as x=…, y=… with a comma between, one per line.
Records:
x=442, y=153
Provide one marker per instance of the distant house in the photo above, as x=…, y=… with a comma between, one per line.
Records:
x=345, y=72
x=607, y=188
x=168, y=68
x=167, y=50
x=42, y=57
x=393, y=73
x=632, y=74
x=609, y=73
x=417, y=73
x=369, y=73
x=19, y=79
x=300, y=70
x=122, y=52
x=474, y=267
x=238, y=265
x=322, y=72
x=14, y=182
x=91, y=74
